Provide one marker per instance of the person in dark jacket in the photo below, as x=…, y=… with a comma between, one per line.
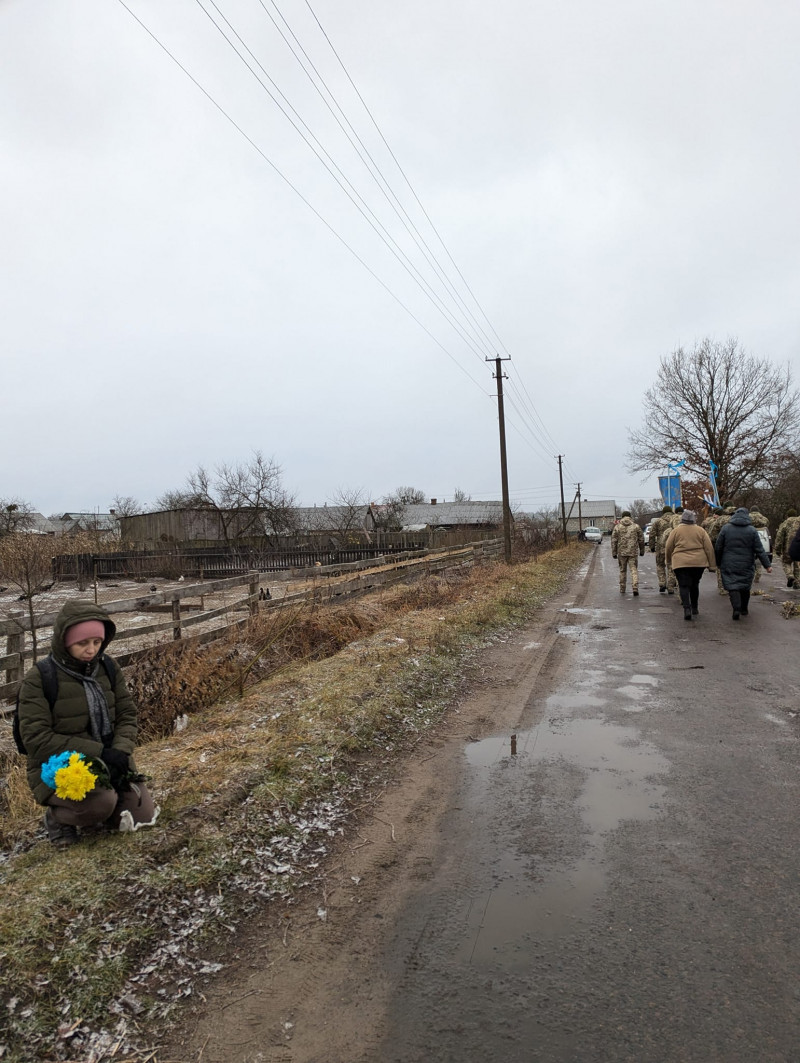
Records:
x=92, y=715
x=736, y=548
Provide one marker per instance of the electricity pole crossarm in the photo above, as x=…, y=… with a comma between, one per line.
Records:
x=498, y=375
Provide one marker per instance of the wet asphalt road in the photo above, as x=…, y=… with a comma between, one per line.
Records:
x=620, y=882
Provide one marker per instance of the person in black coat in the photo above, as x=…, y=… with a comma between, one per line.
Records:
x=737, y=547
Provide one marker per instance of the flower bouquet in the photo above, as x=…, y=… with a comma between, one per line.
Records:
x=73, y=775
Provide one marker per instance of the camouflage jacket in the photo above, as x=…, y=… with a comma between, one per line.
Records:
x=670, y=521
x=627, y=539
x=656, y=526
x=784, y=536
x=716, y=524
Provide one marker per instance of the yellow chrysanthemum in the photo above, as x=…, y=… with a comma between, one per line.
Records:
x=74, y=781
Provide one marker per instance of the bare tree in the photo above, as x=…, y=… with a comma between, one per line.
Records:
x=718, y=402
x=540, y=530
x=15, y=516
x=461, y=496
x=348, y=512
x=126, y=506
x=406, y=496
x=26, y=562
x=179, y=498
x=640, y=509
x=248, y=499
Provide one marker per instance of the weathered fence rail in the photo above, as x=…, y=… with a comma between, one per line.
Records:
x=359, y=580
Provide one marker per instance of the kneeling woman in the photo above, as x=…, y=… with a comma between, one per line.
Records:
x=92, y=714
x=689, y=551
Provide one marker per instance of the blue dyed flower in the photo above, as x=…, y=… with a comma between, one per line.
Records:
x=54, y=764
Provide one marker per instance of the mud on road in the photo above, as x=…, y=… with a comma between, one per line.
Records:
x=593, y=858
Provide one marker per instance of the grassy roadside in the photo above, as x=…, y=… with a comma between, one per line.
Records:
x=102, y=941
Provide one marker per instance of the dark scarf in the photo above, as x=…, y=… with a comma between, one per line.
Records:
x=99, y=721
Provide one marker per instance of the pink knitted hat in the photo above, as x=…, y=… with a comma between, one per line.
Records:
x=86, y=629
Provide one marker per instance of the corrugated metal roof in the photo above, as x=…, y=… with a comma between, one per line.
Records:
x=450, y=513
x=43, y=525
x=90, y=521
x=330, y=518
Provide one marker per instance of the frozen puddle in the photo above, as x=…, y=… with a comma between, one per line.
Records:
x=617, y=772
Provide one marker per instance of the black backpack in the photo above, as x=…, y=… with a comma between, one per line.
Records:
x=49, y=673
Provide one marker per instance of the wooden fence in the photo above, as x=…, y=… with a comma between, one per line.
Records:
x=356, y=577
x=213, y=563
x=217, y=561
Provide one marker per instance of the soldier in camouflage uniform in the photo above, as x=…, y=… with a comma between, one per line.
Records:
x=783, y=537
x=668, y=522
x=761, y=524
x=627, y=545
x=655, y=547
x=715, y=526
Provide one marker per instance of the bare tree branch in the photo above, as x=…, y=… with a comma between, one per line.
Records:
x=248, y=499
x=718, y=402
x=15, y=516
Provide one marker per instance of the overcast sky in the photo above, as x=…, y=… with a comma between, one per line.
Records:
x=610, y=180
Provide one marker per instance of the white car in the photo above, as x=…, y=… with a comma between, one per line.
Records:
x=594, y=535
x=647, y=535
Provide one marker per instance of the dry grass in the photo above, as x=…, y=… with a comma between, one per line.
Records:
x=251, y=787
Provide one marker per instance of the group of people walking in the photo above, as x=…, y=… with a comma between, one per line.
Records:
x=732, y=547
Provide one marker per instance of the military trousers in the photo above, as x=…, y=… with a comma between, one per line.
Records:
x=791, y=569
x=626, y=562
x=661, y=567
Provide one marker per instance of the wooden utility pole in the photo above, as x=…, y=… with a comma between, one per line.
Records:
x=563, y=510
x=580, y=525
x=503, y=465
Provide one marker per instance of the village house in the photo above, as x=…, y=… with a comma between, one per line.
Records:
x=106, y=525
x=602, y=515
x=444, y=516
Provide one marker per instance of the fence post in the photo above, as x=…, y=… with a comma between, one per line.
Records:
x=253, y=587
x=176, y=618
x=16, y=644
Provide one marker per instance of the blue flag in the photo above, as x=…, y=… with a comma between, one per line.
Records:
x=670, y=487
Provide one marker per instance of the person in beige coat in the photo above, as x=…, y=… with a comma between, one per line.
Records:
x=689, y=552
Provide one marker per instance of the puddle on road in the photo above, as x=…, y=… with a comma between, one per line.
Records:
x=618, y=769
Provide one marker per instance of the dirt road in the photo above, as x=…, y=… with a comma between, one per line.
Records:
x=596, y=859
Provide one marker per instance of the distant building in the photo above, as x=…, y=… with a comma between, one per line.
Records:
x=444, y=516
x=210, y=526
x=103, y=524
x=592, y=515
x=336, y=521
x=41, y=525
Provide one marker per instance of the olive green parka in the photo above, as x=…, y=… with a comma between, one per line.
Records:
x=67, y=727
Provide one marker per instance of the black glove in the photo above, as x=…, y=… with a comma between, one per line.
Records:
x=116, y=759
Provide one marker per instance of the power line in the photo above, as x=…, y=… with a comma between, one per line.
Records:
x=533, y=432
x=366, y=156
x=339, y=176
x=405, y=178
x=298, y=193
